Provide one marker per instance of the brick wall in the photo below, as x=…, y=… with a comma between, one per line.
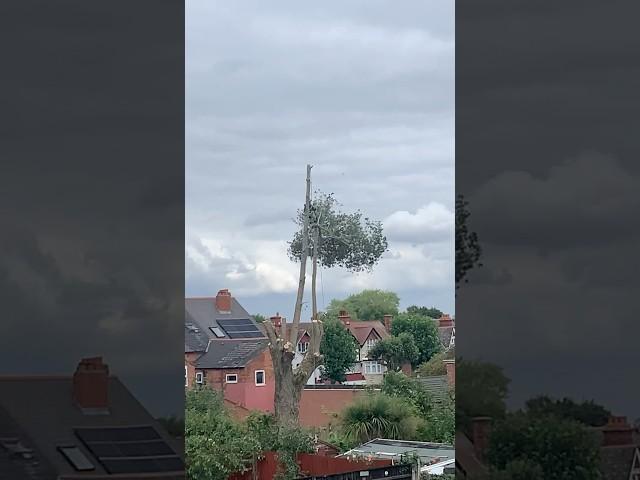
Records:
x=318, y=408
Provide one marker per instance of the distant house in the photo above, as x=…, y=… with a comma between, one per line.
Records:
x=302, y=346
x=81, y=427
x=227, y=350
x=447, y=331
x=367, y=334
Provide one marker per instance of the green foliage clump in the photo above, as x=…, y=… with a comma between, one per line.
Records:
x=259, y=318
x=481, y=390
x=396, y=351
x=379, y=416
x=366, y=305
x=561, y=448
x=218, y=445
x=431, y=312
x=424, y=332
x=468, y=250
x=588, y=412
x=339, y=348
x=435, y=365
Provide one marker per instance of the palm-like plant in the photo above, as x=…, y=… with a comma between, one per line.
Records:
x=379, y=416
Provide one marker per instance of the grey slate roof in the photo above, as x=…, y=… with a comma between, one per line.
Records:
x=231, y=353
x=445, y=334
x=437, y=386
x=616, y=461
x=202, y=313
x=383, y=448
x=46, y=414
x=195, y=340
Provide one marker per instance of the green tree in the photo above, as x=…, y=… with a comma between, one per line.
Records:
x=435, y=365
x=481, y=390
x=366, y=305
x=395, y=351
x=329, y=238
x=424, y=332
x=431, y=312
x=379, y=416
x=215, y=444
x=259, y=318
x=520, y=469
x=562, y=448
x=586, y=412
x=436, y=418
x=339, y=349
x=468, y=251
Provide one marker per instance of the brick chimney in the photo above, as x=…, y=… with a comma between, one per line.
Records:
x=617, y=431
x=387, y=319
x=481, y=430
x=91, y=385
x=344, y=317
x=445, y=321
x=276, y=320
x=223, y=301
x=450, y=365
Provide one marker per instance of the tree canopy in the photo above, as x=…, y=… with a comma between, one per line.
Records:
x=366, y=305
x=396, y=351
x=561, y=448
x=468, y=251
x=431, y=312
x=435, y=365
x=586, y=412
x=343, y=239
x=339, y=348
x=424, y=332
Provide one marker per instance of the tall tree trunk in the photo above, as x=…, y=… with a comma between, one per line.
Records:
x=293, y=334
x=314, y=273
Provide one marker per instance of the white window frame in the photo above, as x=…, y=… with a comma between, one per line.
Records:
x=303, y=347
x=369, y=370
x=186, y=376
x=371, y=342
x=199, y=378
x=264, y=378
x=226, y=378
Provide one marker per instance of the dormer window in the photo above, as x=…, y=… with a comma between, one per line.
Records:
x=303, y=347
x=371, y=342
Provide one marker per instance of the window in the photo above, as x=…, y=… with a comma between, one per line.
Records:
x=231, y=378
x=76, y=458
x=372, y=368
x=186, y=378
x=199, y=377
x=371, y=342
x=303, y=347
x=260, y=377
x=217, y=332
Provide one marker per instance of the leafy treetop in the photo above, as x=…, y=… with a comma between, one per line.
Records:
x=366, y=305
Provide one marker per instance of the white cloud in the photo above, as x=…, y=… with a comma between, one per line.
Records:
x=432, y=222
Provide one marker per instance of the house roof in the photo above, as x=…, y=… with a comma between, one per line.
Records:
x=384, y=448
x=445, y=334
x=231, y=353
x=19, y=459
x=361, y=330
x=616, y=461
x=47, y=417
x=437, y=386
x=203, y=313
x=195, y=340
x=466, y=458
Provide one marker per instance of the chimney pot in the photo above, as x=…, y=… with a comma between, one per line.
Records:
x=91, y=384
x=387, y=319
x=223, y=301
x=344, y=317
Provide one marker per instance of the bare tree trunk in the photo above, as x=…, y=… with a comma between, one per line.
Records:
x=293, y=334
x=314, y=297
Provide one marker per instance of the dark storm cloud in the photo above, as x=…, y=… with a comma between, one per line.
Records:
x=92, y=193
x=546, y=107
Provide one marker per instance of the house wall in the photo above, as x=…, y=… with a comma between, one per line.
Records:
x=318, y=408
x=246, y=393
x=189, y=361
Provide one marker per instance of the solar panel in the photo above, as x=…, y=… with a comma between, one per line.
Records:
x=240, y=328
x=130, y=449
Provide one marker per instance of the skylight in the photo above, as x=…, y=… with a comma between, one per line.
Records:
x=76, y=458
x=217, y=332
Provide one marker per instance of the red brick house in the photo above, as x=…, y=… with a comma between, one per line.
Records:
x=81, y=427
x=227, y=350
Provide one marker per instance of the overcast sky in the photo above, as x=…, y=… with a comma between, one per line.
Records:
x=363, y=92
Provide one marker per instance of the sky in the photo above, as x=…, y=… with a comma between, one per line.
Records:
x=546, y=160
x=362, y=92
